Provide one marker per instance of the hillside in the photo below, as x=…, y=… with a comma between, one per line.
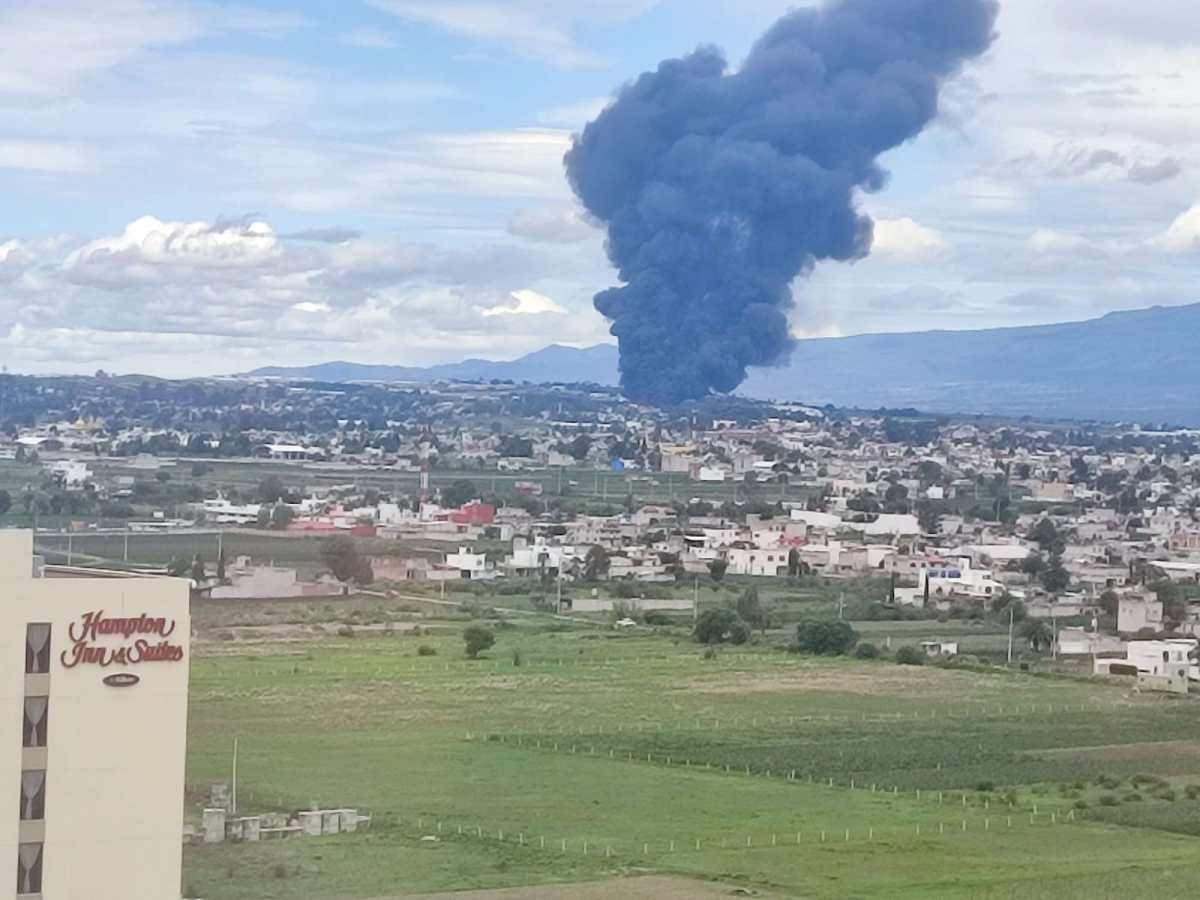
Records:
x=1138, y=365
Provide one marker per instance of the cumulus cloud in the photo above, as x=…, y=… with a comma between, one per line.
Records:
x=1183, y=234
x=525, y=303
x=907, y=240
x=150, y=250
x=554, y=226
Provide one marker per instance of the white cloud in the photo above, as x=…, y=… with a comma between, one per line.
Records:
x=369, y=38
x=535, y=29
x=150, y=249
x=42, y=156
x=575, y=115
x=1049, y=242
x=1183, y=234
x=552, y=225
x=46, y=48
x=526, y=303
x=904, y=239
x=308, y=306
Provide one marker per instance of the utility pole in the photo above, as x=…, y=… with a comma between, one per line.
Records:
x=841, y=606
x=127, y=543
x=233, y=788
x=696, y=600
x=1054, y=640
x=1011, y=611
x=69, y=536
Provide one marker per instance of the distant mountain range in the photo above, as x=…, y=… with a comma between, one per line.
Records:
x=1139, y=365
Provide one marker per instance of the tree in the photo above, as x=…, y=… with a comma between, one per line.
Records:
x=460, y=492
x=752, y=610
x=477, y=638
x=910, y=656
x=1033, y=565
x=825, y=638
x=281, y=516
x=717, y=568
x=1056, y=578
x=1038, y=633
x=271, y=489
x=341, y=555
x=221, y=566
x=595, y=564
x=198, y=573
x=721, y=626
x=895, y=498
x=579, y=447
x=795, y=564
x=5, y=502
x=1047, y=536
x=929, y=516
x=1110, y=602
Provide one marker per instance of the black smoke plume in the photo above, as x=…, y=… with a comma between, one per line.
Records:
x=718, y=189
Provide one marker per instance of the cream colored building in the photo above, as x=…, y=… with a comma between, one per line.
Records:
x=94, y=679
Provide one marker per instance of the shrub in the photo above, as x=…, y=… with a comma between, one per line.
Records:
x=709, y=653
x=1109, y=800
x=866, y=651
x=825, y=638
x=986, y=786
x=426, y=650
x=721, y=626
x=910, y=656
x=477, y=639
x=1081, y=804
x=345, y=631
x=280, y=870
x=1192, y=791
x=1167, y=794
x=1134, y=797
x=517, y=657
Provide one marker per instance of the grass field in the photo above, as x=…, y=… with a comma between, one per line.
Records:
x=1009, y=802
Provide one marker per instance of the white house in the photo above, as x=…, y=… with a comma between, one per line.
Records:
x=1135, y=612
x=473, y=566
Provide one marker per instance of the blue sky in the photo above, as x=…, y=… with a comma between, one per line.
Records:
x=203, y=187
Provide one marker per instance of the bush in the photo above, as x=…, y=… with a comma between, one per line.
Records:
x=721, y=626
x=910, y=656
x=477, y=639
x=866, y=651
x=1168, y=795
x=1135, y=797
x=345, y=631
x=825, y=638
x=710, y=653
x=1108, y=800
x=517, y=657
x=426, y=650
x=1192, y=791
x=986, y=786
x=1080, y=804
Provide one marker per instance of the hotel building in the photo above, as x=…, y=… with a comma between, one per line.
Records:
x=93, y=725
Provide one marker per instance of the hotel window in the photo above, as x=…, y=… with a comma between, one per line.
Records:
x=33, y=795
x=37, y=649
x=34, y=731
x=29, y=869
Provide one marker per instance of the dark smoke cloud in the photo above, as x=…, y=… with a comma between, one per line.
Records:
x=719, y=189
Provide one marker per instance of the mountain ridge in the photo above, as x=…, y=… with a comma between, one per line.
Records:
x=1131, y=365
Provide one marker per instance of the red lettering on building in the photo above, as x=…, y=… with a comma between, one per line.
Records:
x=91, y=641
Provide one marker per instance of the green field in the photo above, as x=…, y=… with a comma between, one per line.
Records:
x=1007, y=765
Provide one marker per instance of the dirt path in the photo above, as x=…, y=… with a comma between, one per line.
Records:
x=652, y=887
